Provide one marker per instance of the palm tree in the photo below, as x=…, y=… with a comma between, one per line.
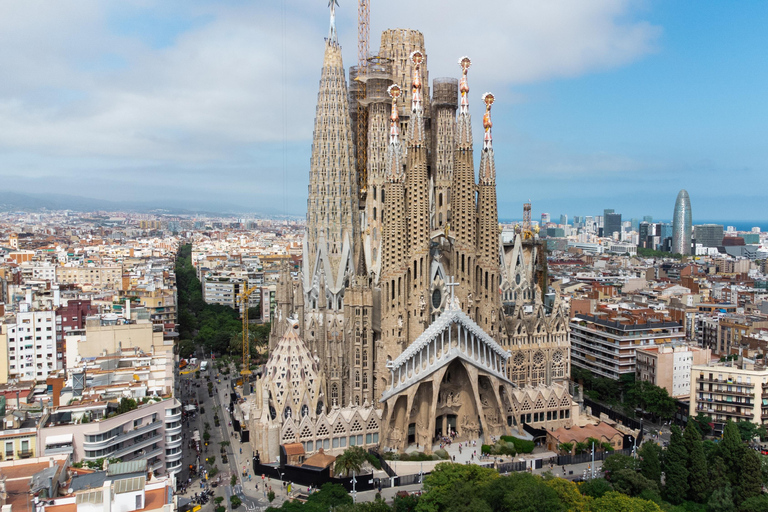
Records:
x=565, y=447
x=351, y=460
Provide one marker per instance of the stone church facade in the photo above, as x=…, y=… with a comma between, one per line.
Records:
x=412, y=275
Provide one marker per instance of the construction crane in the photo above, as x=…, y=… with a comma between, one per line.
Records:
x=244, y=295
x=363, y=34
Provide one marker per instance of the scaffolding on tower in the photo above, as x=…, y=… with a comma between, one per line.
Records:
x=363, y=35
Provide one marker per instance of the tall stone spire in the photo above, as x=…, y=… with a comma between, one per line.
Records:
x=463, y=194
x=332, y=204
x=416, y=125
x=488, y=231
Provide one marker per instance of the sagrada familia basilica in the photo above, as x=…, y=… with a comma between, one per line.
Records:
x=410, y=319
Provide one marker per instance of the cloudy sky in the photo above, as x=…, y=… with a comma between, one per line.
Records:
x=600, y=104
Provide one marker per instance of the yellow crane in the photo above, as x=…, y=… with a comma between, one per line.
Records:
x=244, y=295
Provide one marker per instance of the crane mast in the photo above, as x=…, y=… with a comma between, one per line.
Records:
x=244, y=295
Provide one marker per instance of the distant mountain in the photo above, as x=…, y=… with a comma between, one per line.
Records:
x=15, y=201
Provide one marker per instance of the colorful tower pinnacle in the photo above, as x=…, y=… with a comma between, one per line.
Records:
x=394, y=153
x=416, y=125
x=487, y=163
x=464, y=121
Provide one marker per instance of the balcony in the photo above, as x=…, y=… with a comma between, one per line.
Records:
x=25, y=454
x=95, y=445
x=143, y=443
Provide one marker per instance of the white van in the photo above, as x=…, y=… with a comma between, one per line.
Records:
x=203, y=366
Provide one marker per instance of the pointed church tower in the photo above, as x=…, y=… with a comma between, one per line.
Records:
x=332, y=204
x=462, y=226
x=393, y=245
x=488, y=231
x=417, y=197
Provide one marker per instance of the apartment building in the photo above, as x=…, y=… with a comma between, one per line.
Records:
x=101, y=277
x=669, y=366
x=31, y=342
x=90, y=430
x=734, y=390
x=607, y=347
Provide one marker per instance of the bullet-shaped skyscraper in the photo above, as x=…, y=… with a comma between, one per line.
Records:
x=681, y=224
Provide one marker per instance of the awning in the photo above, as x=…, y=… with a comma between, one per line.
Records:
x=60, y=439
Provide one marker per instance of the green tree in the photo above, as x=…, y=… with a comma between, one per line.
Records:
x=351, y=460
x=718, y=476
x=730, y=449
x=529, y=493
x=616, y=502
x=581, y=447
x=617, y=462
x=126, y=404
x=650, y=461
x=218, y=499
x=675, y=470
x=233, y=480
x=721, y=500
x=235, y=501
x=595, y=488
x=698, y=477
x=755, y=504
x=565, y=447
x=329, y=495
x=632, y=483
x=446, y=476
x=702, y=422
x=405, y=503
x=568, y=493
x=751, y=477
x=747, y=430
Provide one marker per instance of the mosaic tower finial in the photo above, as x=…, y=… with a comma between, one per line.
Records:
x=394, y=153
x=465, y=63
x=464, y=121
x=488, y=99
x=416, y=124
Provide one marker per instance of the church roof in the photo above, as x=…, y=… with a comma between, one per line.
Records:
x=291, y=371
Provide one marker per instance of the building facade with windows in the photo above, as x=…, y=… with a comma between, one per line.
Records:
x=609, y=347
x=734, y=390
x=89, y=432
x=669, y=366
x=32, y=345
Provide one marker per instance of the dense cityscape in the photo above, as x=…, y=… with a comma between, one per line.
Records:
x=407, y=343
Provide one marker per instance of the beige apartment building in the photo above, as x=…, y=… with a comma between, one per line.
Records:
x=104, y=277
x=669, y=366
x=110, y=334
x=730, y=391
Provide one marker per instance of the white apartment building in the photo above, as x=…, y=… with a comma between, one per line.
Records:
x=32, y=345
x=669, y=366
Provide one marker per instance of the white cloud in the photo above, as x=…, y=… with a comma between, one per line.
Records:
x=249, y=75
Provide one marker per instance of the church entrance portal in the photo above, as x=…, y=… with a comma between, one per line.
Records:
x=411, y=433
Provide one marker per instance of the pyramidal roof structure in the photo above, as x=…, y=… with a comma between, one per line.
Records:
x=292, y=375
x=332, y=203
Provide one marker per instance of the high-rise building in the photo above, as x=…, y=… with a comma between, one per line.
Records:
x=563, y=219
x=379, y=302
x=708, y=235
x=648, y=219
x=544, y=219
x=611, y=224
x=644, y=231
x=681, y=224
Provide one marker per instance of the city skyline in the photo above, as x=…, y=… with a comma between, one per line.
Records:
x=615, y=104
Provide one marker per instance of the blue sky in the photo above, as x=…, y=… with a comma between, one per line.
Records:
x=600, y=104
